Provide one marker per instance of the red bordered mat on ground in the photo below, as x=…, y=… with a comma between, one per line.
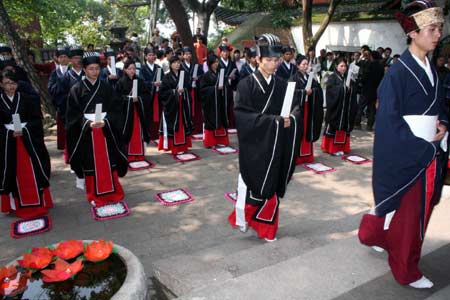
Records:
x=140, y=165
x=356, y=159
x=231, y=196
x=197, y=137
x=110, y=211
x=174, y=197
x=24, y=228
x=185, y=157
x=232, y=131
x=225, y=150
x=319, y=168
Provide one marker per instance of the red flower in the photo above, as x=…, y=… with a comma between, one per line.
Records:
x=8, y=273
x=68, y=249
x=62, y=271
x=98, y=250
x=38, y=259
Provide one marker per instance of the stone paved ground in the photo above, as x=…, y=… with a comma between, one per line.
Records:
x=194, y=252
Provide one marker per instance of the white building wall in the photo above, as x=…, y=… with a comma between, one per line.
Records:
x=386, y=33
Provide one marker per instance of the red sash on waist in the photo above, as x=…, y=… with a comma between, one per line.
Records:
x=103, y=173
x=179, y=136
x=26, y=181
x=136, y=146
x=156, y=107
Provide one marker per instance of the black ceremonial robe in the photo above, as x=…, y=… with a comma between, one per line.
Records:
x=340, y=115
x=83, y=98
x=267, y=153
x=176, y=107
x=143, y=107
x=266, y=149
x=149, y=76
x=213, y=102
x=229, y=87
x=12, y=163
x=312, y=114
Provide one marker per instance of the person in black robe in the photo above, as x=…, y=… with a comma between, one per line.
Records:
x=341, y=111
x=231, y=80
x=95, y=149
x=213, y=106
x=188, y=66
x=176, y=121
x=286, y=69
x=59, y=91
x=25, y=162
x=106, y=73
x=268, y=144
x=149, y=74
x=250, y=66
x=311, y=104
x=137, y=114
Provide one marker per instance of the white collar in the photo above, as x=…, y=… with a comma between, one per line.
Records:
x=252, y=68
x=78, y=73
x=287, y=64
x=151, y=66
x=10, y=98
x=268, y=79
x=425, y=66
x=225, y=62
x=187, y=64
x=63, y=69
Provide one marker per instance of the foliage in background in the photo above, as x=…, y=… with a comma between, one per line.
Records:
x=79, y=21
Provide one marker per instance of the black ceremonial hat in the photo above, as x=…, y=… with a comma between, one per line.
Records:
x=76, y=51
x=268, y=45
x=91, y=58
x=62, y=51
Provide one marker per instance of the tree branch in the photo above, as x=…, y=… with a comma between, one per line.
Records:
x=137, y=4
x=325, y=21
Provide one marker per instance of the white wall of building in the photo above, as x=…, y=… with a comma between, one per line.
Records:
x=386, y=33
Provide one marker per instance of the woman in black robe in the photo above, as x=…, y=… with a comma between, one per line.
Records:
x=213, y=106
x=137, y=114
x=176, y=120
x=311, y=104
x=341, y=111
x=25, y=193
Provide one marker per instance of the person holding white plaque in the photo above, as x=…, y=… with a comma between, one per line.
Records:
x=176, y=119
x=230, y=82
x=110, y=73
x=268, y=143
x=152, y=75
x=194, y=72
x=341, y=111
x=213, y=106
x=311, y=104
x=137, y=114
x=25, y=162
x=95, y=147
x=409, y=151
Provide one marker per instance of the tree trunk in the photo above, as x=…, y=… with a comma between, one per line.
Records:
x=180, y=18
x=310, y=40
x=21, y=56
x=307, y=24
x=203, y=21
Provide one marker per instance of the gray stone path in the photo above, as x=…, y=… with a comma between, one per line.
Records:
x=195, y=253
